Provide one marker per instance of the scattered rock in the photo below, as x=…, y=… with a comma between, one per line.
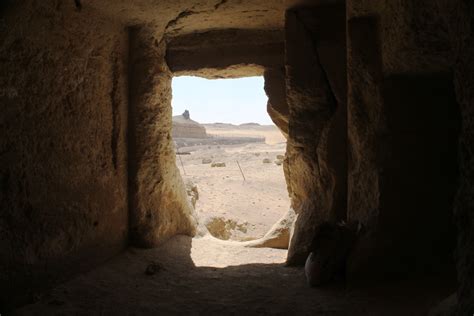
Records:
x=206, y=161
x=221, y=228
x=279, y=235
x=266, y=160
x=330, y=247
x=218, y=164
x=153, y=268
x=281, y=157
x=278, y=162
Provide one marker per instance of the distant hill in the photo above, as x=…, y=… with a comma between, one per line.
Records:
x=240, y=126
x=184, y=127
x=249, y=124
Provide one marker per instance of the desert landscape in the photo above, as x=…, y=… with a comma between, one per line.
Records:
x=234, y=175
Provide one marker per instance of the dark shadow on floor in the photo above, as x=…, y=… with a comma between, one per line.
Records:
x=121, y=287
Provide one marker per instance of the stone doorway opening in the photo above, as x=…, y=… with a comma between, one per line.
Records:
x=230, y=156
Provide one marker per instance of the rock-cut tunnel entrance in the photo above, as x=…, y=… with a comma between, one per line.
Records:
x=375, y=104
x=230, y=156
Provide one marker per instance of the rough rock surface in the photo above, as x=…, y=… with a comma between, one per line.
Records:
x=279, y=235
x=179, y=17
x=315, y=153
x=462, y=34
x=73, y=188
x=222, y=228
x=159, y=207
x=192, y=192
x=63, y=170
x=402, y=129
x=230, y=53
x=277, y=106
x=329, y=251
x=416, y=55
x=415, y=38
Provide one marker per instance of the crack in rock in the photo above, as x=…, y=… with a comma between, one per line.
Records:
x=181, y=15
x=217, y=5
x=188, y=12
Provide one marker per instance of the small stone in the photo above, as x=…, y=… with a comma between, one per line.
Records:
x=218, y=164
x=153, y=268
x=206, y=161
x=266, y=160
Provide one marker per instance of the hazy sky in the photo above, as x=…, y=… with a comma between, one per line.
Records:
x=234, y=101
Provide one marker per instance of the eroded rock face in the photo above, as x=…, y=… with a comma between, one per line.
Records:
x=192, y=192
x=315, y=164
x=277, y=107
x=68, y=182
x=159, y=205
x=403, y=131
x=63, y=170
x=462, y=35
x=329, y=250
x=225, y=229
x=279, y=235
x=232, y=53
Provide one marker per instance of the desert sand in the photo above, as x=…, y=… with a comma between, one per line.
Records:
x=270, y=132
x=231, y=207
x=210, y=276
x=206, y=276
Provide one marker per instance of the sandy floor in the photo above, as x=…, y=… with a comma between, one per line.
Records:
x=213, y=277
x=252, y=206
x=209, y=276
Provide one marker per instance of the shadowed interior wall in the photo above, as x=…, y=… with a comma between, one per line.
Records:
x=69, y=172
x=403, y=130
x=316, y=96
x=227, y=53
x=63, y=192
x=459, y=15
x=417, y=181
x=275, y=88
x=365, y=119
x=159, y=206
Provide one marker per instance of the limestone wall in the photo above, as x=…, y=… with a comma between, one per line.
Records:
x=227, y=53
x=87, y=161
x=316, y=151
x=63, y=123
x=159, y=207
x=410, y=131
x=277, y=106
x=403, y=132
x=461, y=30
